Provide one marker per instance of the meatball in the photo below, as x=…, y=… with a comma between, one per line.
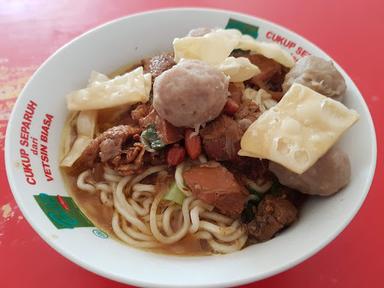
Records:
x=190, y=93
x=317, y=74
x=327, y=176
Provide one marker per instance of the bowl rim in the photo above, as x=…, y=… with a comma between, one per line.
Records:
x=128, y=280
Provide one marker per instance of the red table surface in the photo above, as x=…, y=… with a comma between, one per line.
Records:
x=350, y=31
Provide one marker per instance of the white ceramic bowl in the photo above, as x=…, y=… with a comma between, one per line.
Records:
x=105, y=49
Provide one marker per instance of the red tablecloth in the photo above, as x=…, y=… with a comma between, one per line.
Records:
x=350, y=31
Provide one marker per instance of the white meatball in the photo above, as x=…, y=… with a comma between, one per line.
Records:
x=327, y=176
x=317, y=74
x=190, y=93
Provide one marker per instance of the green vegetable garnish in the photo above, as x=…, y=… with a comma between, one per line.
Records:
x=255, y=197
x=254, y=192
x=248, y=213
x=174, y=194
x=151, y=136
x=275, y=189
x=157, y=144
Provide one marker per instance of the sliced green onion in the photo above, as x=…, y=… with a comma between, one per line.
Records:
x=174, y=194
x=157, y=144
x=152, y=138
x=248, y=214
x=255, y=197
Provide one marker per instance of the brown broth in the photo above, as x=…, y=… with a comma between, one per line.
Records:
x=124, y=69
x=101, y=216
x=90, y=204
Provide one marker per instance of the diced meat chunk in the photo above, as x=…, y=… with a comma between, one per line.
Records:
x=215, y=185
x=158, y=64
x=248, y=112
x=111, y=141
x=240, y=53
x=130, y=160
x=150, y=118
x=236, y=91
x=253, y=168
x=268, y=67
x=327, y=176
x=221, y=138
x=108, y=147
x=271, y=77
x=167, y=132
x=273, y=214
x=141, y=111
x=156, y=158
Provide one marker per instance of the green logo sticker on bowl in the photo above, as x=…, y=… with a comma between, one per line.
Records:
x=99, y=233
x=62, y=211
x=243, y=27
